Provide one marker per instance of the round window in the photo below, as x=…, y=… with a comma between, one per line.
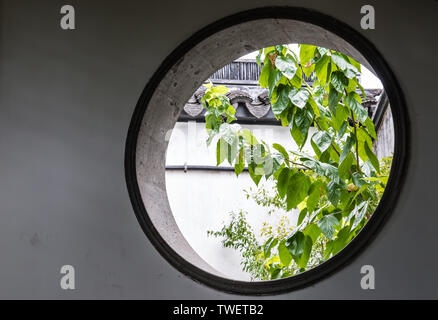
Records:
x=280, y=167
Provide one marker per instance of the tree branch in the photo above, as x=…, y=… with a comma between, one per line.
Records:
x=357, y=142
x=299, y=164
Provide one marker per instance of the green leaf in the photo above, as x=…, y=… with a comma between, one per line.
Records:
x=321, y=69
x=275, y=273
x=248, y=136
x=282, y=101
x=357, y=179
x=307, y=249
x=314, y=106
x=240, y=163
x=339, y=81
x=297, y=135
x=208, y=85
x=353, y=101
x=362, y=189
x=346, y=165
x=281, y=149
x=232, y=151
x=255, y=172
x=353, y=62
x=274, y=78
x=269, y=50
x=322, y=51
x=299, y=97
x=287, y=66
x=313, y=231
x=315, y=149
x=320, y=168
x=370, y=127
x=258, y=153
x=314, y=196
x=322, y=140
x=343, y=63
x=341, y=240
x=326, y=224
x=295, y=244
x=333, y=154
x=358, y=213
x=278, y=162
x=342, y=129
x=272, y=242
x=333, y=100
x=297, y=80
x=297, y=189
x=228, y=132
x=282, y=181
x=286, y=117
x=264, y=75
x=219, y=90
x=284, y=254
x=268, y=166
x=331, y=172
x=328, y=249
x=303, y=214
x=221, y=151
x=307, y=53
x=211, y=135
x=363, y=136
x=372, y=157
x=303, y=120
x=363, y=139
x=352, y=84
x=344, y=199
x=213, y=119
x=333, y=192
x=340, y=118
x=349, y=143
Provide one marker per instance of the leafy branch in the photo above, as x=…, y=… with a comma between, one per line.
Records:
x=335, y=195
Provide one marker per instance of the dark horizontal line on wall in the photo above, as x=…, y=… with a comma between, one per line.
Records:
x=199, y=168
x=235, y=82
x=240, y=120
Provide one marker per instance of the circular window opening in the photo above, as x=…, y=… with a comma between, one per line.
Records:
x=277, y=158
x=318, y=143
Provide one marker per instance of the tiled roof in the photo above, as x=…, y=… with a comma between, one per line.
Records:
x=248, y=98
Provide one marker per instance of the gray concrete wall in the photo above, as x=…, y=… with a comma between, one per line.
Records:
x=66, y=99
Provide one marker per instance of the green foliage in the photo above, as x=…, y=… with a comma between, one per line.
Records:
x=336, y=190
x=237, y=234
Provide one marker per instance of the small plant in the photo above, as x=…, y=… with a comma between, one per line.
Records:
x=238, y=234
